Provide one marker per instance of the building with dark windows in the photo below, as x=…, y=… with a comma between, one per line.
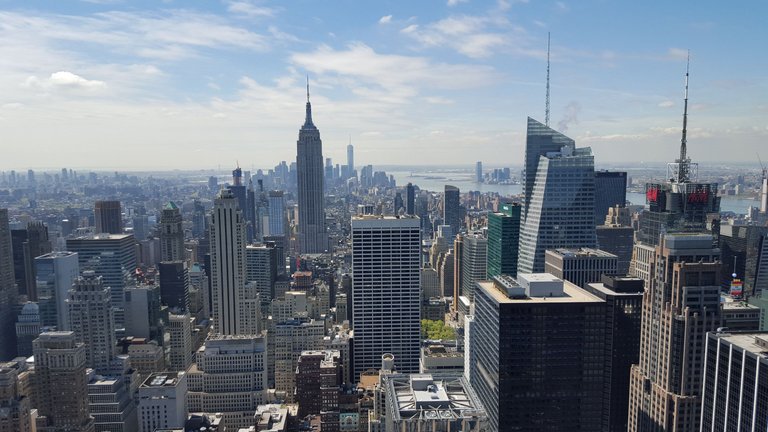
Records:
x=174, y=285
x=610, y=191
x=536, y=354
x=504, y=240
x=735, y=393
x=623, y=298
x=617, y=240
x=8, y=292
x=108, y=217
x=410, y=199
x=452, y=208
x=313, y=237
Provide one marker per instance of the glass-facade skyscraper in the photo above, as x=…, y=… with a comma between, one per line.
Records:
x=561, y=209
x=503, y=240
x=610, y=191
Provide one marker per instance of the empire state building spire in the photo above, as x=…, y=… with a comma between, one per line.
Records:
x=308, y=119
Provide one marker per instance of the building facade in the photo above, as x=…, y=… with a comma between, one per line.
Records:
x=313, y=237
x=536, y=355
x=386, y=264
x=504, y=240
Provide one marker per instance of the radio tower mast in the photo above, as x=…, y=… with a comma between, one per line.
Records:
x=546, y=108
x=683, y=169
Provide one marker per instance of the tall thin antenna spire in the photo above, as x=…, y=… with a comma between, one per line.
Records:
x=684, y=162
x=546, y=108
x=307, y=88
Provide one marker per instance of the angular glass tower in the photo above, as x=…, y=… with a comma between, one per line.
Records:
x=539, y=140
x=561, y=206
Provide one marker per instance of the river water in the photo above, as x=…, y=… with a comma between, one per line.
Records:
x=435, y=181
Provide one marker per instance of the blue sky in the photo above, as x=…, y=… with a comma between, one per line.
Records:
x=197, y=84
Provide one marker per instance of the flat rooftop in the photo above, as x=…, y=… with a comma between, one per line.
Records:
x=571, y=294
x=163, y=379
x=748, y=341
x=581, y=253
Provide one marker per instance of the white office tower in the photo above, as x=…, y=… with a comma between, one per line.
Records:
x=235, y=308
x=92, y=319
x=180, y=331
x=162, y=402
x=54, y=274
x=386, y=264
x=474, y=261
x=561, y=213
x=229, y=377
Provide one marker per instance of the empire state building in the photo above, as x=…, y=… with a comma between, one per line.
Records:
x=309, y=164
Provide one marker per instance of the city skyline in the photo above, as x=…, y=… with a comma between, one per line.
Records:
x=435, y=82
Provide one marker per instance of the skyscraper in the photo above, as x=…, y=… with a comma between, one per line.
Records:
x=474, y=263
x=56, y=272
x=241, y=197
x=92, y=320
x=180, y=330
x=27, y=329
x=504, y=240
x=561, y=210
x=610, y=191
x=108, y=217
x=174, y=285
x=681, y=304
x=309, y=164
x=624, y=299
x=61, y=383
x=536, y=354
x=735, y=382
x=235, y=310
x=479, y=172
x=277, y=216
x=385, y=291
x=539, y=141
x=8, y=291
x=111, y=256
x=410, y=199
x=350, y=159
x=451, y=208
x=171, y=234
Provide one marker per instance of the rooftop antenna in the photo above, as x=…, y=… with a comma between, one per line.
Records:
x=682, y=175
x=546, y=109
x=307, y=88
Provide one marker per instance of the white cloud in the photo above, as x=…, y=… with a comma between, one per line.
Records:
x=666, y=104
x=396, y=77
x=452, y=3
x=677, y=53
x=472, y=36
x=249, y=9
x=386, y=19
x=66, y=80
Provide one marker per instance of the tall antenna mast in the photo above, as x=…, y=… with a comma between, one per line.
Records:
x=546, y=108
x=683, y=169
x=307, y=88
